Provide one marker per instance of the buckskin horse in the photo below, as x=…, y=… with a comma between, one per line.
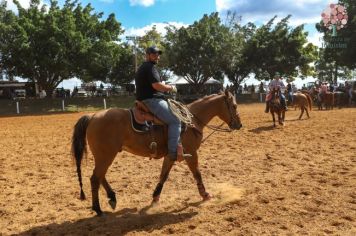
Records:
x=110, y=131
x=276, y=107
x=303, y=101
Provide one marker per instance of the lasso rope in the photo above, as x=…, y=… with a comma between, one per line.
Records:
x=181, y=111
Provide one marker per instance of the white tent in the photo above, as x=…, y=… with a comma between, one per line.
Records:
x=181, y=80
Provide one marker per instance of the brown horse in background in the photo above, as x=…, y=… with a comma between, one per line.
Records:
x=327, y=99
x=276, y=107
x=109, y=132
x=303, y=101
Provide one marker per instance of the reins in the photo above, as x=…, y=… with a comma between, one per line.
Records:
x=182, y=112
x=216, y=128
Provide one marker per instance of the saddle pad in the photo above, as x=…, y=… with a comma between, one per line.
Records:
x=136, y=126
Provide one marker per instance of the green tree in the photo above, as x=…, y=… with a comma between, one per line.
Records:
x=347, y=55
x=327, y=69
x=50, y=45
x=194, y=52
x=336, y=61
x=281, y=49
x=236, y=59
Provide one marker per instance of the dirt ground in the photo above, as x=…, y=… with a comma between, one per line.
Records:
x=299, y=179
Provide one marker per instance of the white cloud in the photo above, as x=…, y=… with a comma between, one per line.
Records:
x=302, y=11
x=160, y=27
x=145, y=3
x=11, y=6
x=24, y=3
x=316, y=39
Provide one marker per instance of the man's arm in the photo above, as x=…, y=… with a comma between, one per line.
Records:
x=162, y=87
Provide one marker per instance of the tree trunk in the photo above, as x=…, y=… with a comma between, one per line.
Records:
x=336, y=75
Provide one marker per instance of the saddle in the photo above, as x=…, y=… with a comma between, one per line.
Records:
x=142, y=114
x=144, y=121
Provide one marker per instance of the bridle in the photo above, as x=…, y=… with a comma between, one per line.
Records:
x=218, y=127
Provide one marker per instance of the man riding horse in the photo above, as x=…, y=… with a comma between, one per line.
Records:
x=149, y=90
x=276, y=84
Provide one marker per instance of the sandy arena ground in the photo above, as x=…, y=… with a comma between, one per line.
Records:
x=299, y=179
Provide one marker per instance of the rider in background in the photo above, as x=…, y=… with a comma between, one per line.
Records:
x=322, y=90
x=150, y=89
x=348, y=91
x=276, y=84
x=289, y=92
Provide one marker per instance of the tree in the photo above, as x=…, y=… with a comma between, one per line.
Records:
x=123, y=69
x=347, y=54
x=6, y=19
x=336, y=59
x=281, y=49
x=50, y=45
x=236, y=60
x=194, y=52
x=327, y=69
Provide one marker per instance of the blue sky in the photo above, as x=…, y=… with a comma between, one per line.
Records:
x=138, y=16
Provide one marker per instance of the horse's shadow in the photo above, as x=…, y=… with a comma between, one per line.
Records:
x=117, y=223
x=262, y=129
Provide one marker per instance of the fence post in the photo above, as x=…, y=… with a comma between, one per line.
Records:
x=62, y=104
x=104, y=104
x=17, y=107
x=261, y=97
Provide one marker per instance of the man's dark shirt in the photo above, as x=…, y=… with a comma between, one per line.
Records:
x=146, y=75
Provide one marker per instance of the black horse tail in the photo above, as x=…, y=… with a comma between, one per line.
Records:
x=79, y=147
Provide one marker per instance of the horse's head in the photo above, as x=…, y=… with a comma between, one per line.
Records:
x=230, y=114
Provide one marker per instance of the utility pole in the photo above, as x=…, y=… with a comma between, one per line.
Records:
x=134, y=39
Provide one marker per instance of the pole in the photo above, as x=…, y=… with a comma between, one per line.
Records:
x=104, y=103
x=17, y=107
x=134, y=40
x=62, y=104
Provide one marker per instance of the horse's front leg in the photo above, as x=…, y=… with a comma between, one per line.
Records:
x=166, y=168
x=193, y=166
x=274, y=119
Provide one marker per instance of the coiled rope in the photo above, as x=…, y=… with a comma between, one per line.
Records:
x=181, y=111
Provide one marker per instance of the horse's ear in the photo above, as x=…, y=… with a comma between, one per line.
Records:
x=226, y=92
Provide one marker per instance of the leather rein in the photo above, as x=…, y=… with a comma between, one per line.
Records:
x=218, y=127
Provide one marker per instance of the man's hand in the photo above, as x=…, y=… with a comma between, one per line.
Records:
x=174, y=89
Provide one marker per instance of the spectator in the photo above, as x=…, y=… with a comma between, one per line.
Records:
x=260, y=88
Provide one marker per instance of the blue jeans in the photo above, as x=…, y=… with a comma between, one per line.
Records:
x=282, y=99
x=159, y=107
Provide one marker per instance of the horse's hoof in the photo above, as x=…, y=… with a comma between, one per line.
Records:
x=155, y=200
x=112, y=204
x=207, y=197
x=99, y=213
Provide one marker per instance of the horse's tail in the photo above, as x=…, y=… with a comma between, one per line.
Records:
x=309, y=101
x=79, y=147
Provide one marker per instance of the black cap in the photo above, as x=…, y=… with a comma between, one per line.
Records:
x=154, y=50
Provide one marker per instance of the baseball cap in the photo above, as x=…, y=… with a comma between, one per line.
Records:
x=154, y=50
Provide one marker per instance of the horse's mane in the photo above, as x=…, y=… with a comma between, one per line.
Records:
x=206, y=97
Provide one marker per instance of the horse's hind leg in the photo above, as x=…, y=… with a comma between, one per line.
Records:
x=166, y=168
x=101, y=167
x=302, y=111
x=110, y=193
x=306, y=110
x=193, y=166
